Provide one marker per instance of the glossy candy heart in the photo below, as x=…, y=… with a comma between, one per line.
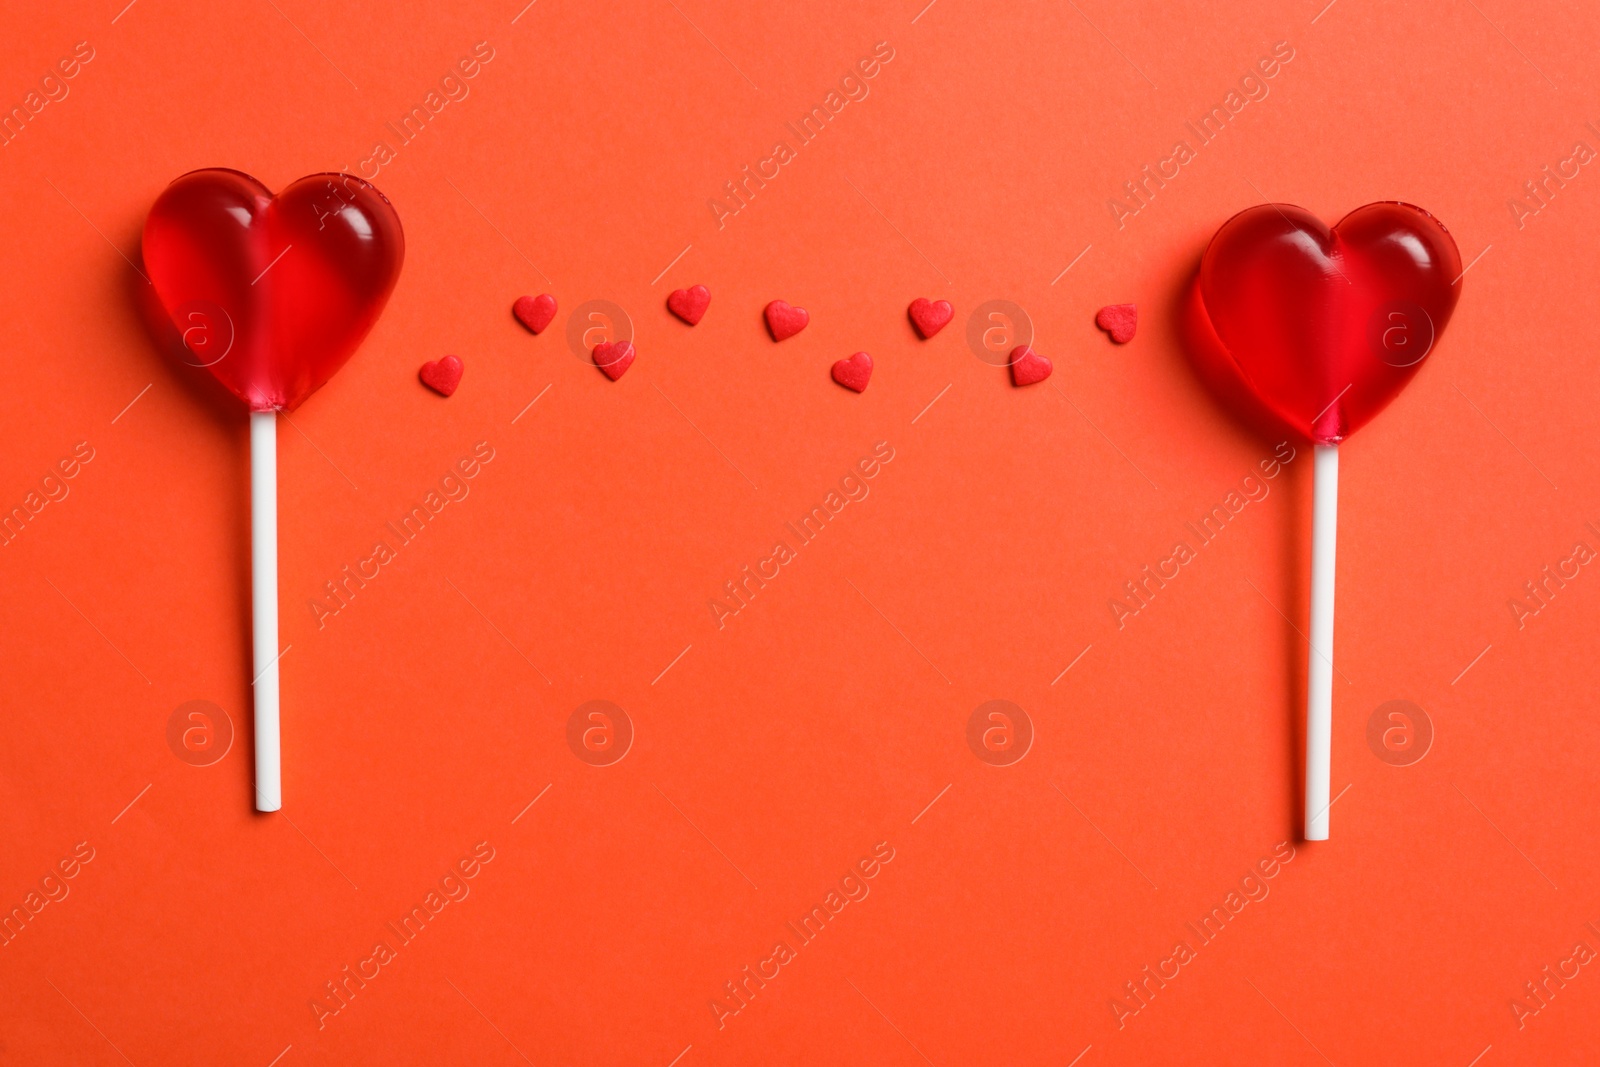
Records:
x=1322, y=327
x=272, y=294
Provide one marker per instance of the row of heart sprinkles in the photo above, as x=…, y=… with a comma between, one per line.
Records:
x=784, y=320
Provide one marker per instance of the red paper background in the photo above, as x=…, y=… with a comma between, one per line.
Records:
x=825, y=717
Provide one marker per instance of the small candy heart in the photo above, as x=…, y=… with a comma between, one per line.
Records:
x=855, y=372
x=1028, y=367
x=614, y=358
x=689, y=304
x=1119, y=320
x=930, y=316
x=785, y=320
x=442, y=375
x=535, y=312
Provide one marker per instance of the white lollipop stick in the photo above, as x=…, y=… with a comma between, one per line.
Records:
x=1319, y=681
x=264, y=603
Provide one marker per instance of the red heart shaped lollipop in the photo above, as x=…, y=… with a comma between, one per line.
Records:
x=271, y=294
x=277, y=290
x=1323, y=326
x=1320, y=329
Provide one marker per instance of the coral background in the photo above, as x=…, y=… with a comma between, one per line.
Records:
x=831, y=714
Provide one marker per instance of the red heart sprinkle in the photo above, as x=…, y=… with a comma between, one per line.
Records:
x=930, y=316
x=785, y=320
x=689, y=304
x=1119, y=320
x=442, y=375
x=535, y=312
x=1028, y=367
x=855, y=372
x=614, y=358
